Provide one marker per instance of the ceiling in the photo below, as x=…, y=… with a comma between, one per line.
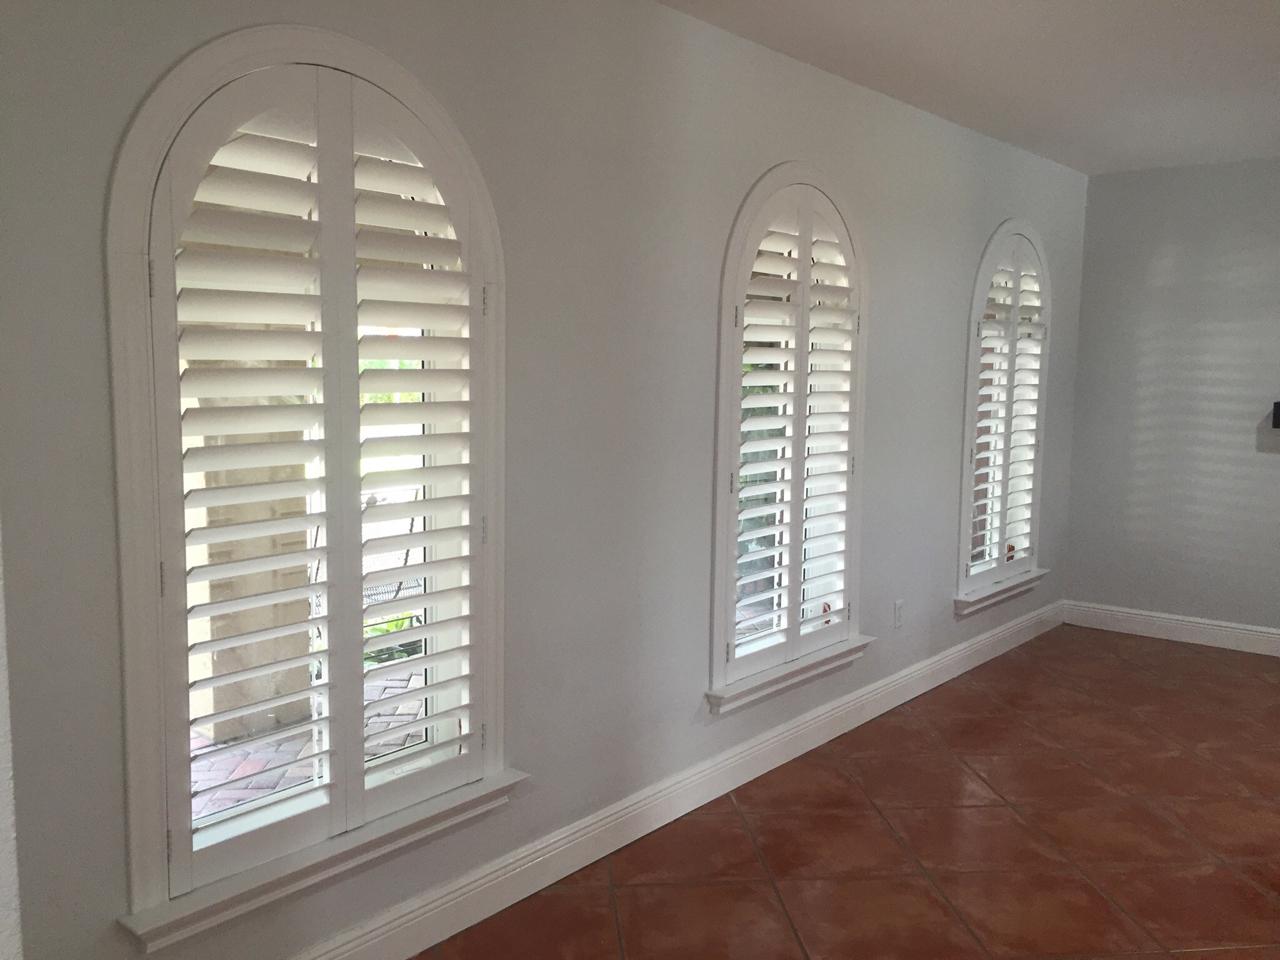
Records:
x=1099, y=85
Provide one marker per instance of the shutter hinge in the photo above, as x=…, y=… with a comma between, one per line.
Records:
x=737, y=316
x=852, y=461
x=162, y=578
x=484, y=735
x=484, y=529
x=484, y=300
x=731, y=482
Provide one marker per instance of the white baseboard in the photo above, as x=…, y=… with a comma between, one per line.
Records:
x=440, y=912
x=1170, y=626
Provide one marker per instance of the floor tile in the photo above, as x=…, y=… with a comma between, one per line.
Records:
x=990, y=735
x=696, y=847
x=721, y=804
x=1244, y=827
x=719, y=921
x=897, y=918
x=810, y=845
x=1137, y=692
x=559, y=923
x=926, y=780
x=1258, y=770
x=1196, y=728
x=1046, y=696
x=1196, y=907
x=890, y=734
x=1113, y=831
x=960, y=698
x=973, y=838
x=1039, y=776
x=802, y=785
x=594, y=873
x=1238, y=953
x=1100, y=730
x=1265, y=873
x=1172, y=773
x=1028, y=914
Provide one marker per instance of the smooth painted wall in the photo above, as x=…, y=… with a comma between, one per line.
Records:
x=1176, y=471
x=617, y=138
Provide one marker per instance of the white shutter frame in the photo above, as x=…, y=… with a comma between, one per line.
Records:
x=135, y=180
x=730, y=674
x=1011, y=577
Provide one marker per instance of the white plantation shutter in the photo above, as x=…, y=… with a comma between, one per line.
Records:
x=1008, y=349
x=787, y=436
x=314, y=327
x=414, y=320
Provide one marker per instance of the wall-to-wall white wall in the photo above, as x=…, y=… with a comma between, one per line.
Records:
x=1176, y=481
x=617, y=138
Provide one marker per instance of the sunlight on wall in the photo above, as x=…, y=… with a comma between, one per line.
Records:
x=1176, y=485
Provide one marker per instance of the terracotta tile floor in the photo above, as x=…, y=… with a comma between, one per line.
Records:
x=1089, y=795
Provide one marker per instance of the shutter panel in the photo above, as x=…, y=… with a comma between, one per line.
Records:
x=832, y=302
x=414, y=328
x=1030, y=335
x=792, y=483
x=253, y=459
x=994, y=345
x=770, y=320
x=1009, y=341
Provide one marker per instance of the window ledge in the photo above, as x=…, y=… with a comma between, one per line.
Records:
x=992, y=593
x=183, y=917
x=731, y=696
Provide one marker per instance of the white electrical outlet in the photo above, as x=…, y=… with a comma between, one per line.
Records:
x=897, y=613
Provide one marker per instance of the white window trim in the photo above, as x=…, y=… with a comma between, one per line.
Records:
x=991, y=587
x=136, y=172
x=726, y=692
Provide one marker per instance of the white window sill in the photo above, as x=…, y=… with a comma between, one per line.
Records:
x=731, y=696
x=208, y=906
x=997, y=591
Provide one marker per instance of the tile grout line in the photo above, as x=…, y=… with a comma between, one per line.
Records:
x=613, y=903
x=773, y=882
x=924, y=872
x=1082, y=875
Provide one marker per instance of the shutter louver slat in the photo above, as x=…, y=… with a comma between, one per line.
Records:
x=262, y=192
x=248, y=307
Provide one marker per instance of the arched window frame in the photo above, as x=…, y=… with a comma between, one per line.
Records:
x=163, y=910
x=978, y=590
x=734, y=681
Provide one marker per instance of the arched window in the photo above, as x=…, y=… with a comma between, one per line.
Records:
x=788, y=416
x=308, y=428
x=1008, y=349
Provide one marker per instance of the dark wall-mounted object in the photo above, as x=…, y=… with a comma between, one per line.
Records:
x=1275, y=415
